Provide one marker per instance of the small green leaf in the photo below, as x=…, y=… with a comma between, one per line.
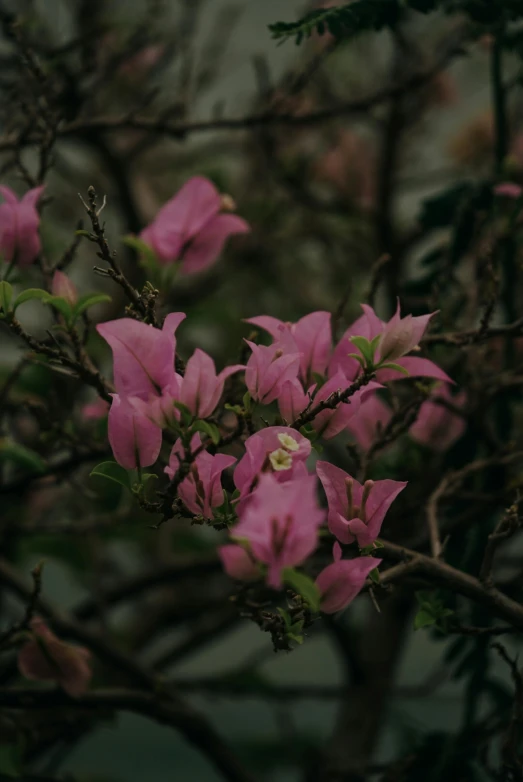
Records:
x=21, y=456
x=318, y=379
x=6, y=296
x=424, y=619
x=374, y=575
x=247, y=402
x=28, y=295
x=304, y=586
x=142, y=248
x=60, y=304
x=234, y=408
x=89, y=300
x=397, y=367
x=83, y=232
x=365, y=347
x=211, y=430
x=112, y=471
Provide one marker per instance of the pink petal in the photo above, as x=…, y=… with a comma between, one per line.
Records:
x=314, y=339
x=206, y=245
x=9, y=195
x=272, y=325
x=135, y=441
x=7, y=232
x=417, y=367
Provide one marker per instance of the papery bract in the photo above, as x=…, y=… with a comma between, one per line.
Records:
x=19, y=222
x=508, y=190
x=340, y=582
x=312, y=335
x=143, y=356
x=356, y=512
x=436, y=426
x=281, y=523
x=401, y=335
x=238, y=563
x=201, y=491
x=191, y=228
x=270, y=367
x=45, y=658
x=372, y=415
x=64, y=287
x=201, y=388
x=293, y=400
x=134, y=439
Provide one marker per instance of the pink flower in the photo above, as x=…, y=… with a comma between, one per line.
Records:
x=398, y=336
x=508, y=190
x=201, y=388
x=437, y=427
x=281, y=524
x=45, y=658
x=293, y=400
x=201, y=491
x=190, y=227
x=134, y=439
x=340, y=582
x=312, y=335
x=238, y=563
x=276, y=449
x=19, y=221
x=95, y=410
x=356, y=512
x=62, y=286
x=270, y=367
x=143, y=356
x=372, y=415
x=331, y=421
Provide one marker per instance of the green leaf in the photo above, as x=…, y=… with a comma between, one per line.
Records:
x=28, y=295
x=83, y=232
x=397, y=367
x=343, y=21
x=112, y=471
x=21, y=456
x=60, y=304
x=374, y=575
x=89, y=300
x=365, y=347
x=304, y=586
x=424, y=618
x=247, y=402
x=142, y=248
x=187, y=416
x=211, y=430
x=6, y=296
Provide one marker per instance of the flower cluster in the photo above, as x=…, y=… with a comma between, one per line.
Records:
x=287, y=396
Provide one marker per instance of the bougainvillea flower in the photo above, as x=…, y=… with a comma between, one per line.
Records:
x=270, y=367
x=281, y=523
x=312, y=335
x=19, y=222
x=202, y=490
x=201, y=388
x=508, y=190
x=191, y=227
x=238, y=563
x=45, y=658
x=436, y=426
x=398, y=337
x=340, y=582
x=143, y=356
x=356, y=512
x=331, y=421
x=134, y=439
x=64, y=287
x=277, y=449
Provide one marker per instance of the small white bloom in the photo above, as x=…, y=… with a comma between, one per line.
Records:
x=280, y=460
x=288, y=442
